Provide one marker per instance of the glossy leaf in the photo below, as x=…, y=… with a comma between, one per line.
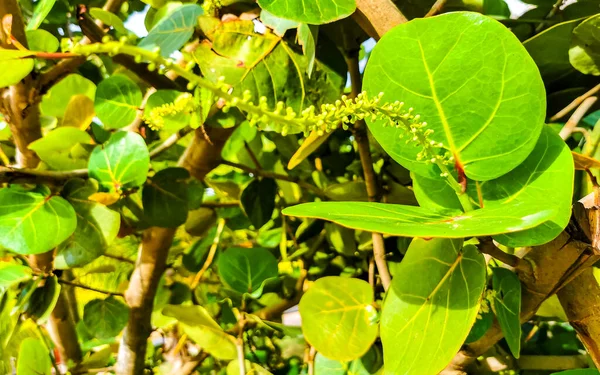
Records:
x=55, y=102
x=165, y=198
x=245, y=270
x=105, y=318
x=203, y=330
x=109, y=19
x=267, y=66
x=34, y=358
x=487, y=109
x=97, y=226
x=431, y=306
x=15, y=66
x=584, y=53
x=41, y=11
x=173, y=31
x=41, y=40
x=507, y=306
x=546, y=175
x=277, y=24
x=258, y=200
x=313, y=12
x=117, y=101
x=338, y=318
x=12, y=273
x=122, y=163
x=62, y=148
x=410, y=221
x=33, y=222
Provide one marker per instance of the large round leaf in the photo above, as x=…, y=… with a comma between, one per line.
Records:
x=545, y=176
x=55, y=102
x=62, y=148
x=471, y=80
x=33, y=222
x=97, y=226
x=117, y=101
x=165, y=198
x=14, y=65
x=122, y=163
x=431, y=306
x=310, y=11
x=245, y=270
x=338, y=318
x=105, y=318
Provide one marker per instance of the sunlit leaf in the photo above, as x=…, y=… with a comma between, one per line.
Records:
x=233, y=368
x=488, y=109
x=117, y=101
x=55, y=102
x=79, y=113
x=15, y=66
x=42, y=40
x=338, y=318
x=585, y=46
x=34, y=358
x=160, y=97
x=41, y=11
x=109, y=19
x=431, y=306
x=62, y=148
x=12, y=273
x=313, y=12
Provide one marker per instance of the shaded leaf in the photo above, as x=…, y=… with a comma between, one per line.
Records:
x=33, y=222
x=338, y=318
x=245, y=270
x=165, y=198
x=43, y=300
x=105, y=318
x=109, y=19
x=62, y=148
x=307, y=38
x=481, y=326
x=584, y=53
x=41, y=11
x=97, y=226
x=34, y=358
x=488, y=109
x=79, y=112
x=122, y=163
x=12, y=273
x=15, y=66
x=258, y=200
x=117, y=101
x=507, y=306
x=431, y=306
x=312, y=12
x=173, y=31
x=56, y=100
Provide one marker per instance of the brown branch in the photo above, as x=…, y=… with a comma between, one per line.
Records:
x=573, y=121
x=15, y=175
x=276, y=176
x=436, y=8
x=169, y=142
x=81, y=286
x=61, y=327
x=581, y=302
x=189, y=366
x=574, y=104
x=377, y=17
x=119, y=258
x=487, y=246
x=200, y=158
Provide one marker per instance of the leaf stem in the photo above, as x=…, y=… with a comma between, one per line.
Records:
x=211, y=255
x=81, y=286
x=575, y=103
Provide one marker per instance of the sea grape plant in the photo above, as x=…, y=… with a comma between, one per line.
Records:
x=166, y=199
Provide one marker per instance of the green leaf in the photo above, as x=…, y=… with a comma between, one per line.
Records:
x=266, y=65
x=488, y=109
x=15, y=66
x=338, y=317
x=203, y=330
x=507, y=306
x=341, y=239
x=55, y=102
x=431, y=306
x=313, y=12
x=258, y=200
x=41, y=40
x=105, y=318
x=97, y=226
x=11, y=274
x=42, y=9
x=245, y=270
x=122, y=163
x=277, y=24
x=545, y=176
x=587, y=371
x=165, y=198
x=174, y=122
x=410, y=221
x=117, y=101
x=481, y=326
x=173, y=31
x=33, y=222
x=43, y=300
x=369, y=364
x=58, y=148
x=307, y=38
x=109, y=19
x=584, y=53
x=34, y=358
x=233, y=368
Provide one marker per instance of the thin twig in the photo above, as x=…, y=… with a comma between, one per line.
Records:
x=221, y=204
x=276, y=176
x=573, y=121
x=8, y=174
x=312, y=353
x=119, y=258
x=81, y=286
x=487, y=246
x=575, y=103
x=211, y=255
x=252, y=156
x=436, y=8
x=239, y=344
x=550, y=14
x=169, y=142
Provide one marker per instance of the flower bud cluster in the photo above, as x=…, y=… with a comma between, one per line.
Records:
x=184, y=103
